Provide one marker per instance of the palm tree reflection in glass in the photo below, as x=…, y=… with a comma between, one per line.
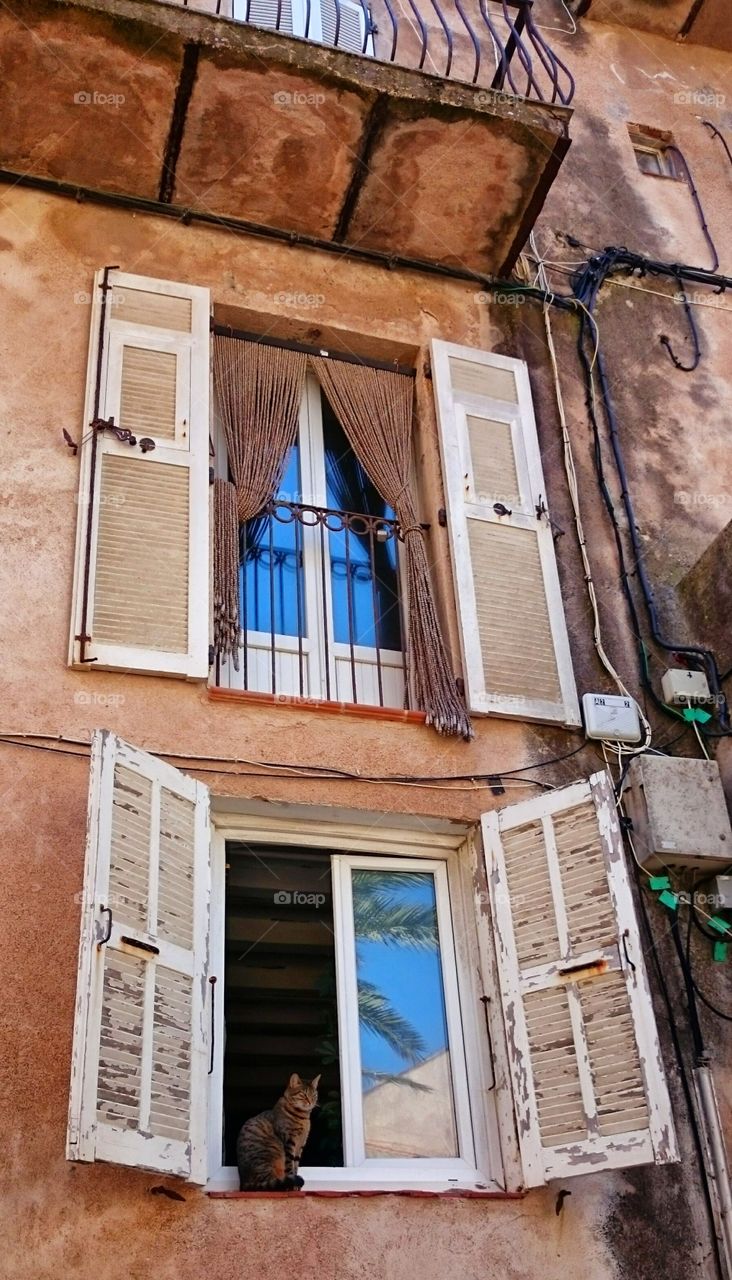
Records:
x=406, y=1082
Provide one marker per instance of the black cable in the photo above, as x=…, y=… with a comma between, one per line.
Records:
x=694, y=1025
x=717, y=134
x=586, y=285
x=265, y=768
x=686, y=1088
x=666, y=341
x=698, y=205
x=712, y=937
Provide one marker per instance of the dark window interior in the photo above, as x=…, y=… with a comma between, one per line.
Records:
x=280, y=994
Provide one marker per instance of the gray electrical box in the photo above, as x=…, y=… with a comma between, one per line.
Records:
x=679, y=813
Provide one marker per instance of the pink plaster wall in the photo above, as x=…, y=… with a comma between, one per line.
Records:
x=102, y=1222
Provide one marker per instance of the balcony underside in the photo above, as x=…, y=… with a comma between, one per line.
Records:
x=155, y=101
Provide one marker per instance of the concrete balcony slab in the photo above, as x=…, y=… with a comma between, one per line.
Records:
x=156, y=101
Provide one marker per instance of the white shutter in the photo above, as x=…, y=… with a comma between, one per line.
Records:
x=138, y=1083
x=515, y=646
x=588, y=1082
x=275, y=14
x=142, y=536
x=350, y=17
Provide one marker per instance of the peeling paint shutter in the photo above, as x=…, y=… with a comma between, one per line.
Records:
x=589, y=1088
x=142, y=539
x=516, y=653
x=140, y=1059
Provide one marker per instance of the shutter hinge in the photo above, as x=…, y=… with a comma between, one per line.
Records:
x=460, y=685
x=542, y=510
x=495, y=784
x=73, y=1136
x=210, y=475
x=442, y=518
x=211, y=655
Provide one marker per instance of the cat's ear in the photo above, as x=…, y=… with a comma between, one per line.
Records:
x=295, y=1081
x=314, y=1083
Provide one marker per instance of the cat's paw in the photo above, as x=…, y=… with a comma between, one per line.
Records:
x=293, y=1183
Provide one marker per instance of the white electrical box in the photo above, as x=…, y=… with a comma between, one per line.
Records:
x=611, y=716
x=679, y=813
x=722, y=893
x=681, y=688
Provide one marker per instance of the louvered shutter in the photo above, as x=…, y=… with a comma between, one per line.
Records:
x=589, y=1088
x=514, y=636
x=349, y=18
x=140, y=1059
x=275, y=14
x=141, y=585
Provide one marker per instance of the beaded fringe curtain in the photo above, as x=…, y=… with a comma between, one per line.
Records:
x=258, y=390
x=374, y=408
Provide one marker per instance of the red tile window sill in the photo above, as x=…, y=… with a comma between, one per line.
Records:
x=458, y=1194
x=315, y=704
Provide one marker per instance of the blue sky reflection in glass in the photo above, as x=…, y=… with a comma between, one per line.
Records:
x=405, y=1061
x=269, y=554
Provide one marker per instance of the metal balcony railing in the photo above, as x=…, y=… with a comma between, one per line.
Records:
x=319, y=607
x=493, y=43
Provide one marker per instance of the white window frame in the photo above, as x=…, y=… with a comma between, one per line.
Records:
x=454, y=1169
x=316, y=603
x=423, y=843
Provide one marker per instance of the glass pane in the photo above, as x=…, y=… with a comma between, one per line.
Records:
x=280, y=1003
x=408, y=1108
x=363, y=570
x=271, y=562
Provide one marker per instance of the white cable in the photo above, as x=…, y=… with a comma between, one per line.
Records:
x=700, y=740
x=571, y=472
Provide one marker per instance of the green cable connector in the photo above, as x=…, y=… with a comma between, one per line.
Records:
x=669, y=899
x=659, y=882
x=719, y=952
x=696, y=713
x=716, y=922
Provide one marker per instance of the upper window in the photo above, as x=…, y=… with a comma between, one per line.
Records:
x=318, y=591
x=319, y=587
x=654, y=154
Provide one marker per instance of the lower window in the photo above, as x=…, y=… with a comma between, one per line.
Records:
x=345, y=966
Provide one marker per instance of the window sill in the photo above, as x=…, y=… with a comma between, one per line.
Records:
x=316, y=704
x=457, y=1194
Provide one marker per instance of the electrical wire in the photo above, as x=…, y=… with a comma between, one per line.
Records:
x=571, y=473
x=284, y=770
x=586, y=285
x=700, y=740
x=683, y=1075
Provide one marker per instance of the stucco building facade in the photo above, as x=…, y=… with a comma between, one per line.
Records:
x=189, y=187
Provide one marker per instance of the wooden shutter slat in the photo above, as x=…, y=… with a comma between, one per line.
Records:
x=148, y=392
x=143, y=521
x=515, y=646
x=140, y=1053
x=159, y=310
x=513, y=618
x=589, y=1091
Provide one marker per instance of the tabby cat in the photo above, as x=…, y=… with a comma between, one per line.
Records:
x=269, y=1145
